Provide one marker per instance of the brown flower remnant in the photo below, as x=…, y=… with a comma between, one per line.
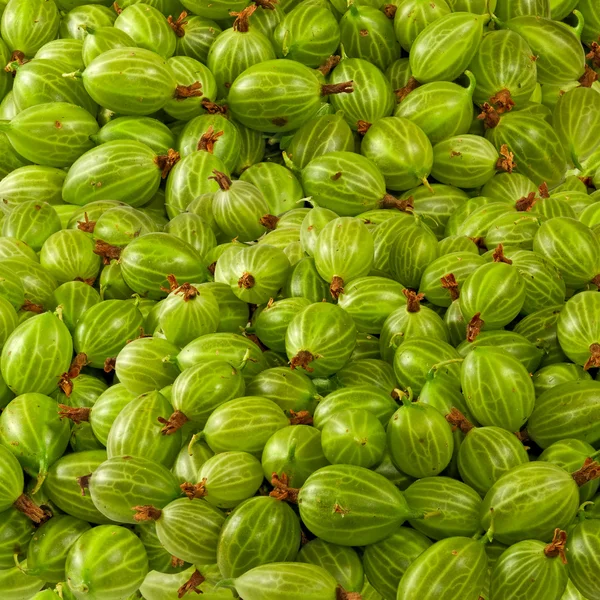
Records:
x=449, y=283
x=30, y=509
x=174, y=423
x=489, y=115
x=302, y=360
x=413, y=300
x=77, y=415
x=246, y=281
x=594, y=359
x=588, y=472
x=177, y=26
x=269, y=221
x=502, y=101
x=222, y=179
x=459, y=421
x=362, y=127
x=345, y=87
x=29, y=306
x=336, y=289
x=401, y=93
x=474, y=327
x=117, y=8
x=109, y=364
x=557, y=546
x=526, y=203
x=506, y=161
x=191, y=585
x=65, y=383
x=177, y=562
x=166, y=162
x=282, y=490
x=16, y=57
x=208, y=139
x=594, y=54
x=84, y=483
x=241, y=22
x=106, y=251
x=389, y=10
x=212, y=108
x=499, y=255
x=407, y=205
x=147, y=512
x=86, y=225
x=342, y=594
x=331, y=63
x=193, y=491
x=543, y=190
x=589, y=77
x=302, y=417
x=266, y=4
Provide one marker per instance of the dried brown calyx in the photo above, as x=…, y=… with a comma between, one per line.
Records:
x=193, y=90
x=191, y=585
x=342, y=594
x=173, y=285
x=506, y=162
x=66, y=383
x=489, y=115
x=187, y=290
x=194, y=490
x=587, y=181
x=588, y=472
x=86, y=225
x=302, y=417
x=246, y=281
x=543, y=190
x=479, y=242
x=30, y=509
x=107, y=252
x=474, y=327
x=17, y=59
x=29, y=306
x=523, y=436
x=596, y=281
x=594, y=54
x=254, y=338
x=389, y=10
x=345, y=87
x=331, y=63
x=178, y=25
x=241, y=22
x=84, y=483
x=302, y=360
x=266, y=4
x=526, y=203
x=557, y=546
x=459, y=421
x=362, y=127
x=222, y=179
x=212, y=267
x=117, y=8
x=208, y=139
x=77, y=415
x=109, y=364
x=174, y=423
x=166, y=162
x=589, y=77
x=147, y=512
x=336, y=288
x=449, y=283
x=413, y=300
x=406, y=205
x=498, y=255
x=282, y=490
x=411, y=85
x=502, y=101
x=269, y=221
x=177, y=562
x=212, y=108
x=594, y=359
